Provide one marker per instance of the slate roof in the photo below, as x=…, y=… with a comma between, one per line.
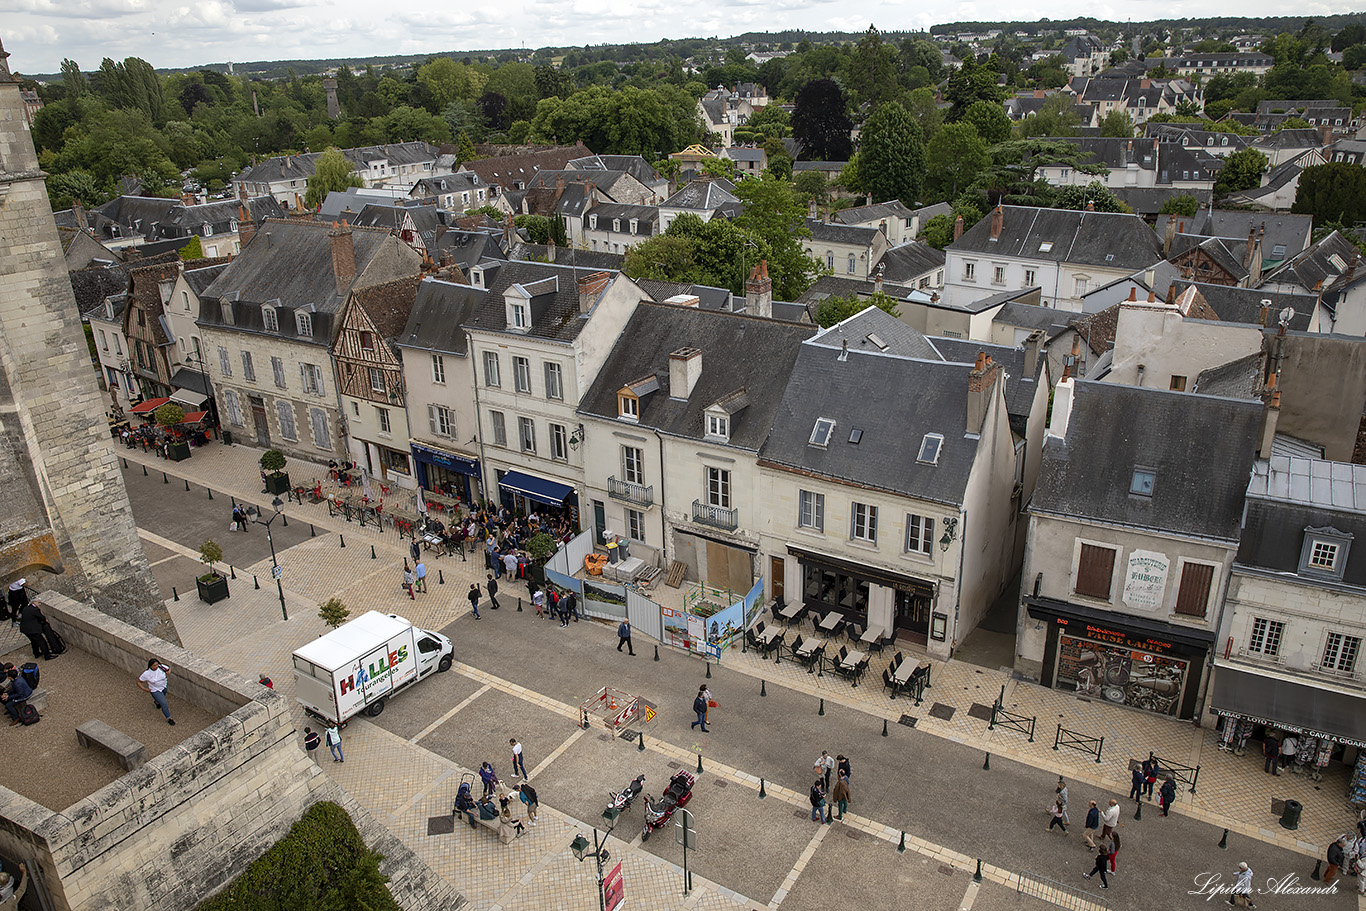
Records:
x=703, y=195
x=1031, y=316
x=634, y=165
x=1292, y=232
x=388, y=305
x=646, y=218
x=1147, y=201
x=1238, y=379
x=1288, y=139
x=1244, y=305
x=557, y=304
x=93, y=284
x=1213, y=247
x=144, y=291
x=1019, y=390
x=907, y=262
x=467, y=248
x=504, y=170
x=739, y=352
x=866, y=329
x=869, y=393
x=836, y=285
x=446, y=184
x=1317, y=264
x=737, y=153
x=835, y=166
x=1200, y=447
x=592, y=260
x=873, y=215
x=709, y=298
x=200, y=278
x=832, y=233
x=439, y=313
x=300, y=167
x=182, y=221
x=1104, y=239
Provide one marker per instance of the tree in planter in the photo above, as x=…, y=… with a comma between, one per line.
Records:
x=169, y=415
x=209, y=554
x=272, y=461
x=333, y=612
x=540, y=547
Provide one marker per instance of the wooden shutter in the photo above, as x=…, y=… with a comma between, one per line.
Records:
x=1095, y=570
x=1196, y=579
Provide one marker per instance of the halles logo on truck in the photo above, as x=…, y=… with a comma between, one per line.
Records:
x=387, y=663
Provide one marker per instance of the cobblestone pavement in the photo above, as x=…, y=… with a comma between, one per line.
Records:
x=249, y=634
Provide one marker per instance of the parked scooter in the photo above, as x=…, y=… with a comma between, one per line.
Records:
x=623, y=799
x=658, y=813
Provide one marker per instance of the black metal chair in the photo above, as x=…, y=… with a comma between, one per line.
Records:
x=774, y=644
x=795, y=648
x=896, y=661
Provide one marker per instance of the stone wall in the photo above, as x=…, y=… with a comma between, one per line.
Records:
x=178, y=829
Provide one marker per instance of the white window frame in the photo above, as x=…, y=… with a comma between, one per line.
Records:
x=863, y=522
x=269, y=318
x=441, y=420
x=382, y=421
x=1340, y=653
x=633, y=465
x=438, y=370
x=718, y=426
x=303, y=324
x=628, y=407
x=559, y=443
x=919, y=535
x=554, y=381
x=717, y=482
x=635, y=525
x=969, y=271
x=526, y=435
x=377, y=383
x=521, y=374
x=811, y=510
x=492, y=371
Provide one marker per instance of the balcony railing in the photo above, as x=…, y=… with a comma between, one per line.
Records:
x=635, y=494
x=715, y=516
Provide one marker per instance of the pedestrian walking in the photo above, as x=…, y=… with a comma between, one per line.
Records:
x=31, y=624
x=1337, y=854
x=571, y=606
x=517, y=761
x=1289, y=747
x=840, y=794
x=1059, y=815
x=1061, y=793
x=817, y=801
x=826, y=763
x=420, y=575
x=699, y=707
x=474, y=599
x=153, y=680
x=334, y=743
x=491, y=586
x=1168, y=795
x=488, y=777
x=707, y=698
x=1271, y=749
x=527, y=794
x=1109, y=818
x=624, y=637
x=1102, y=861
x=1114, y=850
x=842, y=766
x=311, y=743
x=510, y=565
x=1242, y=887
x=538, y=601
x=1092, y=825
x=1136, y=786
x=409, y=580
x=416, y=550
x=17, y=600
x=1149, y=775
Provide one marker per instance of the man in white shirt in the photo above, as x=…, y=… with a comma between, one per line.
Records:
x=1109, y=818
x=1289, y=747
x=153, y=680
x=1242, y=887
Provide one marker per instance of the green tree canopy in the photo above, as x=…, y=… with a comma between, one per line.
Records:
x=892, y=155
x=1184, y=204
x=1242, y=170
x=836, y=308
x=820, y=122
x=332, y=172
x=1094, y=195
x=956, y=155
x=1333, y=192
x=1117, y=124
x=990, y=120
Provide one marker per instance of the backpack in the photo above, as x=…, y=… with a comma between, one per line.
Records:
x=28, y=714
x=530, y=792
x=30, y=674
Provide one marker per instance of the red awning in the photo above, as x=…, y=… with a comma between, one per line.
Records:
x=194, y=417
x=148, y=406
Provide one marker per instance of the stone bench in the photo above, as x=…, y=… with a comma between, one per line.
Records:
x=38, y=700
x=505, y=830
x=131, y=754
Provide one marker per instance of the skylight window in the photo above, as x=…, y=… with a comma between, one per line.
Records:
x=855, y=436
x=930, y=447
x=820, y=434
x=1046, y=247
x=877, y=341
x=1142, y=482
x=1336, y=262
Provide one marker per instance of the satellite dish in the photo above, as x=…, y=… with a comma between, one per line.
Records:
x=1287, y=315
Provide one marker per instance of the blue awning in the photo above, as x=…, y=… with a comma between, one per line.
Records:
x=450, y=460
x=542, y=490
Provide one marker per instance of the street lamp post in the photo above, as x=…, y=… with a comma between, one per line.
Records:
x=599, y=853
x=255, y=513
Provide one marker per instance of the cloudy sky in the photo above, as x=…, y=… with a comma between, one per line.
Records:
x=179, y=33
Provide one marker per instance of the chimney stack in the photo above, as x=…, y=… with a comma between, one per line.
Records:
x=811, y=209
x=1251, y=242
x=685, y=366
x=1254, y=271
x=1033, y=347
x=590, y=286
x=1271, y=413
x=1133, y=294
x=343, y=256
x=1265, y=318
x=78, y=211
x=759, y=292
x=246, y=228
x=957, y=228
x=1062, y=407
x=550, y=249
x=981, y=384
x=877, y=278
x=998, y=219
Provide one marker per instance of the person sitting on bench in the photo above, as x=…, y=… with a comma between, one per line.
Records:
x=16, y=695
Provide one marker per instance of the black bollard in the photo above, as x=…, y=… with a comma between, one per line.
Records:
x=232, y=569
x=210, y=492
x=708, y=670
x=175, y=593
x=1138, y=814
x=699, y=772
x=343, y=539
x=311, y=532
x=284, y=520
x=977, y=877
x=1318, y=864
x=656, y=653
x=822, y=711
x=1223, y=842
x=986, y=763
x=440, y=579
x=884, y=727
x=763, y=688
x=762, y=792
x=372, y=551
x=144, y=471
x=901, y=848
x=125, y=463
x=257, y=581
x=640, y=744
x=187, y=486
x=519, y=604
x=164, y=479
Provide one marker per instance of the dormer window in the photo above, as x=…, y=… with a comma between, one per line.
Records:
x=628, y=406
x=303, y=324
x=718, y=427
x=635, y=223
x=206, y=229
x=616, y=224
x=930, y=448
x=225, y=307
x=269, y=319
x=1324, y=553
x=1141, y=484
x=592, y=222
x=820, y=434
x=518, y=318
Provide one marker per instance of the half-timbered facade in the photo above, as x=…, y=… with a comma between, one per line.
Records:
x=369, y=373
x=151, y=348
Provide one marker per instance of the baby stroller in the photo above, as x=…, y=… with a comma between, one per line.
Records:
x=464, y=799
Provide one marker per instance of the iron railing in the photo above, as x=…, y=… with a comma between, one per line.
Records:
x=635, y=494
x=715, y=516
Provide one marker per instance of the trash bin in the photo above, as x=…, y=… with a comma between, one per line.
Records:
x=1290, y=816
x=612, y=555
x=227, y=437
x=623, y=548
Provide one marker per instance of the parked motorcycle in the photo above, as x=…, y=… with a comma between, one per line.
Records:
x=658, y=813
x=623, y=799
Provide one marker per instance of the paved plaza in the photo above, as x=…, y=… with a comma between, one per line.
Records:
x=517, y=676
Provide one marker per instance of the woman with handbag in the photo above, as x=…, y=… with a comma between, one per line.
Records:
x=705, y=694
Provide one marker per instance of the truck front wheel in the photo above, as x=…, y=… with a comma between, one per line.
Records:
x=375, y=708
x=445, y=663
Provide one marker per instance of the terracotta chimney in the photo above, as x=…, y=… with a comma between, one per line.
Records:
x=1033, y=347
x=590, y=286
x=1171, y=293
x=1152, y=297
x=1090, y=205
x=343, y=256
x=957, y=228
x=242, y=192
x=1265, y=317
x=246, y=228
x=186, y=198
x=981, y=383
x=1133, y=295
x=1251, y=242
x=1169, y=236
x=759, y=292
x=685, y=367
x=1040, y=93
x=998, y=219
x=1145, y=83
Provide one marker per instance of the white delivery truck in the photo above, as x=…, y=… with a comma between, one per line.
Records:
x=363, y=663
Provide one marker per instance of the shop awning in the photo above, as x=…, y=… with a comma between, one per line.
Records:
x=148, y=406
x=453, y=461
x=191, y=379
x=1277, y=701
x=542, y=490
x=188, y=398
x=194, y=417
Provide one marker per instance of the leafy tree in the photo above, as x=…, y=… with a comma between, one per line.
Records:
x=970, y=83
x=939, y=230
x=836, y=308
x=73, y=79
x=1056, y=117
x=719, y=167
x=65, y=188
x=191, y=251
x=1184, y=204
x=1354, y=58
x=1352, y=33
x=1094, y=195
x=1331, y=192
x=1294, y=123
x=780, y=166
x=445, y=81
x=956, y=155
x=917, y=52
x=465, y=152
x=1242, y=170
x=892, y=155
x=552, y=83
x=1117, y=124
x=664, y=257
x=775, y=216
x=772, y=120
x=331, y=172
x=990, y=120
x=333, y=612
x=406, y=124
x=872, y=70
x=541, y=229
x=50, y=124
x=133, y=84
x=812, y=185
x=820, y=123
x=924, y=108
x=1187, y=108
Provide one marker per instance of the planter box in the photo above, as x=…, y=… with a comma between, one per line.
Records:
x=212, y=591
x=277, y=483
x=179, y=452
x=536, y=573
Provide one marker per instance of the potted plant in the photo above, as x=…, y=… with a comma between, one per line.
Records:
x=540, y=547
x=273, y=464
x=213, y=585
x=167, y=416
